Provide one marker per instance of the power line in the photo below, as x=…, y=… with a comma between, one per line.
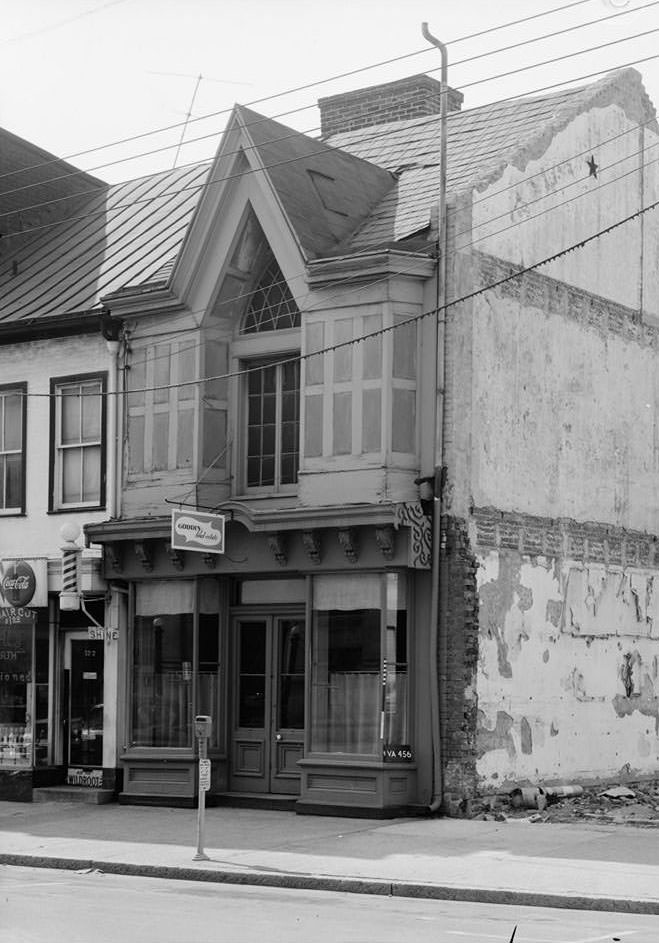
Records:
x=168, y=194
x=214, y=134
x=415, y=319
x=299, y=88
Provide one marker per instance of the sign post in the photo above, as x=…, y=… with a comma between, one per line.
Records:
x=202, y=725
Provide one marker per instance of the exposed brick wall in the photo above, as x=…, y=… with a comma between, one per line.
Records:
x=413, y=97
x=458, y=653
x=35, y=189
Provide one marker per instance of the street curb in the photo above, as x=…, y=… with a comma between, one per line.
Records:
x=313, y=882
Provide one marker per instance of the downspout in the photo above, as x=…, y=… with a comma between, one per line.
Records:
x=438, y=433
x=110, y=330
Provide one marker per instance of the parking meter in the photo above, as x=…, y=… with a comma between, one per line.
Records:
x=202, y=729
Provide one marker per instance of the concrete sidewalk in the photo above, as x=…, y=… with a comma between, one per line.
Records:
x=517, y=861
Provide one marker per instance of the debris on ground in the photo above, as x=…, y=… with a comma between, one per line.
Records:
x=636, y=804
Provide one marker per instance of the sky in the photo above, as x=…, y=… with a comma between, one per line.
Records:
x=78, y=77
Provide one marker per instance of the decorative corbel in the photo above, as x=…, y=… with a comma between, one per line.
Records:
x=420, y=542
x=144, y=554
x=384, y=538
x=311, y=543
x=113, y=556
x=210, y=559
x=176, y=556
x=277, y=545
x=348, y=543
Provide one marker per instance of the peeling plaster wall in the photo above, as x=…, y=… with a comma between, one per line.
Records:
x=565, y=415
x=568, y=669
x=552, y=201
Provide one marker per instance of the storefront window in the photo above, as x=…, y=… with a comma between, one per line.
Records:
x=16, y=686
x=162, y=664
x=209, y=655
x=359, y=656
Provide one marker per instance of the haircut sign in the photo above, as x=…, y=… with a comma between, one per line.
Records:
x=192, y=530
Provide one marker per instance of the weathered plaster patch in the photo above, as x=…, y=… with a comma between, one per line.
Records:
x=545, y=655
x=553, y=730
x=499, y=738
x=524, y=597
x=526, y=736
x=646, y=702
x=505, y=668
x=554, y=613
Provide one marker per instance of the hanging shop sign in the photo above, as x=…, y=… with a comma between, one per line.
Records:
x=192, y=530
x=23, y=584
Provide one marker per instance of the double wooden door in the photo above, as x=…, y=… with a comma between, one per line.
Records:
x=268, y=704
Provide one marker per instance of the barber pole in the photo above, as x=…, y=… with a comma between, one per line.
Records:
x=69, y=597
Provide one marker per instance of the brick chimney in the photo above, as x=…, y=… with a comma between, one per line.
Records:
x=413, y=97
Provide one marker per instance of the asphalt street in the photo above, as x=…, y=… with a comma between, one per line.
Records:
x=71, y=907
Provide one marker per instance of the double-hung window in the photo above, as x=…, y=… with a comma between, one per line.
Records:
x=273, y=424
x=12, y=448
x=78, y=460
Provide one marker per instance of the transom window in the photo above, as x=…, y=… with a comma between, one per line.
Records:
x=271, y=306
x=273, y=424
x=79, y=446
x=12, y=449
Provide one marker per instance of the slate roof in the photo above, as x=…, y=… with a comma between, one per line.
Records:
x=326, y=193
x=126, y=234
x=480, y=143
x=358, y=190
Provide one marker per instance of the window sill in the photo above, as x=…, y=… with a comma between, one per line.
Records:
x=76, y=509
x=355, y=761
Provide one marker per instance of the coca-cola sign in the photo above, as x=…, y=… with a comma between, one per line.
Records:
x=17, y=583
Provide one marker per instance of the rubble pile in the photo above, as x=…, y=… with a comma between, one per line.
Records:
x=636, y=804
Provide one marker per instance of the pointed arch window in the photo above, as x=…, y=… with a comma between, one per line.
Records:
x=271, y=306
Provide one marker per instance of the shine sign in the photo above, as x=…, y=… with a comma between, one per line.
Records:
x=192, y=530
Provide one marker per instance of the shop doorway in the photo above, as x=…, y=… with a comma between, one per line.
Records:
x=268, y=704
x=83, y=698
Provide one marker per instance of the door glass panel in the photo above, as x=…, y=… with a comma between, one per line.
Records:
x=86, y=705
x=251, y=674
x=291, y=674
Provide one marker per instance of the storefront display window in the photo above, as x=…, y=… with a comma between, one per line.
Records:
x=162, y=665
x=16, y=685
x=209, y=655
x=175, y=674
x=359, y=659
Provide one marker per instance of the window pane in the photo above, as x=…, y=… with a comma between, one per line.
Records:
x=91, y=413
x=289, y=467
x=162, y=681
x=372, y=362
x=91, y=473
x=268, y=472
x=184, y=438
x=251, y=674
x=291, y=675
x=396, y=687
x=404, y=349
x=404, y=420
x=313, y=426
x=342, y=423
x=71, y=476
x=343, y=356
x=136, y=378
x=346, y=681
x=186, y=370
x=371, y=423
x=135, y=444
x=161, y=373
x=160, y=441
x=70, y=413
x=11, y=436
x=13, y=481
